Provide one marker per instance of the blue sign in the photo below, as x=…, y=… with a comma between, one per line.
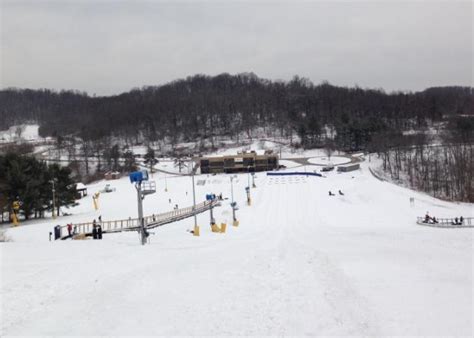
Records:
x=138, y=176
x=210, y=197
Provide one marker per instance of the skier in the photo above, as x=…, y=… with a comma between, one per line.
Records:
x=340, y=193
x=331, y=194
x=69, y=229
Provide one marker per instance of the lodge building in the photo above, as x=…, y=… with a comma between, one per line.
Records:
x=242, y=162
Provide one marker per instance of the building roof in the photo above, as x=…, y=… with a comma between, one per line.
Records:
x=80, y=186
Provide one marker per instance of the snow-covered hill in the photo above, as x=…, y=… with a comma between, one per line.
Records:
x=300, y=263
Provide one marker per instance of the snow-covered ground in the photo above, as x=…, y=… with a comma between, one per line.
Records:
x=333, y=160
x=300, y=263
x=27, y=132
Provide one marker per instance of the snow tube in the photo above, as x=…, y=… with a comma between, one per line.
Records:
x=293, y=174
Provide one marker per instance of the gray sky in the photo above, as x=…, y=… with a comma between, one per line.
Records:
x=107, y=47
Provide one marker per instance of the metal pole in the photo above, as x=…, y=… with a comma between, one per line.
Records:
x=194, y=202
x=54, y=200
x=196, y=228
x=232, y=197
x=140, y=211
x=212, y=216
x=248, y=176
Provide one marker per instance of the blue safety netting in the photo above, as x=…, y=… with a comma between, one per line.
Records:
x=293, y=174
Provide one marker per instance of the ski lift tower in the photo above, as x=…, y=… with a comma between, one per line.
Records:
x=144, y=187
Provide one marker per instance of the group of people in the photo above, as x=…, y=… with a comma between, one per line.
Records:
x=433, y=220
x=332, y=194
x=429, y=219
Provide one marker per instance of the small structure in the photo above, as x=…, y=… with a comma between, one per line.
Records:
x=328, y=168
x=81, y=190
x=108, y=188
x=112, y=175
x=349, y=167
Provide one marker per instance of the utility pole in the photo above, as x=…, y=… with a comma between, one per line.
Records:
x=247, y=189
x=140, y=197
x=54, y=199
x=196, y=227
x=233, y=204
x=248, y=176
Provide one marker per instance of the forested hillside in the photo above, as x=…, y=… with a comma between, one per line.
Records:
x=202, y=106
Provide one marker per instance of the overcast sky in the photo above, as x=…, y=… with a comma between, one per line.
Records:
x=106, y=47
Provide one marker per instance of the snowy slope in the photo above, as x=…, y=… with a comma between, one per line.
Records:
x=27, y=132
x=300, y=263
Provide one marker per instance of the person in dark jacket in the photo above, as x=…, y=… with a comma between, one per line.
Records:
x=94, y=229
x=69, y=229
x=99, y=231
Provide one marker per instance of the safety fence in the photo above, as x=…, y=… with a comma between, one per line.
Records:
x=131, y=224
x=467, y=222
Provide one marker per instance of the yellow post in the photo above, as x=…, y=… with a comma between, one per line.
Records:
x=15, y=220
x=249, y=201
x=223, y=227
x=196, y=230
x=95, y=198
x=215, y=228
x=235, y=223
x=16, y=208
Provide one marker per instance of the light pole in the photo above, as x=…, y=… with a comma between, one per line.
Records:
x=54, y=199
x=248, y=176
x=247, y=189
x=196, y=227
x=233, y=204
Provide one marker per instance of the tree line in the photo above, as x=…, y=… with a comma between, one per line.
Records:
x=441, y=165
x=200, y=108
x=30, y=182
x=203, y=107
